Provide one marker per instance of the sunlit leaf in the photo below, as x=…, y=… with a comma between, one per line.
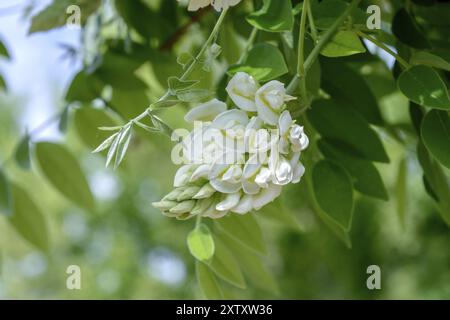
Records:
x=344, y=43
x=264, y=62
x=424, y=86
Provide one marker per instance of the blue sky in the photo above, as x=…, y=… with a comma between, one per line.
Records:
x=37, y=72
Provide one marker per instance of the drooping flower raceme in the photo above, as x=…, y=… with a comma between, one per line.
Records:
x=218, y=5
x=237, y=160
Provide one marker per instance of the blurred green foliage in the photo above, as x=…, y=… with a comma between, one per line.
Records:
x=66, y=208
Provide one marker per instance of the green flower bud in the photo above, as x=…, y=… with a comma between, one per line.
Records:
x=173, y=195
x=188, y=193
x=201, y=206
x=164, y=205
x=183, y=207
x=205, y=192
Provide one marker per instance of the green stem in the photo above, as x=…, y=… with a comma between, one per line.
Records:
x=384, y=47
x=198, y=221
x=301, y=45
x=248, y=45
x=329, y=34
x=323, y=41
x=311, y=23
x=191, y=67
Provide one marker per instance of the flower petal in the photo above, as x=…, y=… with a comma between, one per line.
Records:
x=230, y=118
x=266, y=196
x=206, y=111
x=299, y=170
x=182, y=175
x=241, y=89
x=224, y=186
x=250, y=187
x=229, y=202
x=244, y=206
x=285, y=122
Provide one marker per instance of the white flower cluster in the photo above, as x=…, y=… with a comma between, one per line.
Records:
x=218, y=5
x=237, y=160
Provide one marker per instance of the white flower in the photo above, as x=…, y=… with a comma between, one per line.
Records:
x=263, y=177
x=219, y=5
x=236, y=164
x=206, y=111
x=270, y=100
x=242, y=89
x=298, y=138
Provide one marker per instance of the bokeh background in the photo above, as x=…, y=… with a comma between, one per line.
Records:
x=128, y=250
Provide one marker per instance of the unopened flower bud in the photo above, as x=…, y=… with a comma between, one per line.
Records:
x=205, y=192
x=183, y=207
x=188, y=193
x=164, y=205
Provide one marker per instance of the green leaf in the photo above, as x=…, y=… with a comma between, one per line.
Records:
x=326, y=12
x=129, y=103
x=346, y=127
x=55, y=14
x=193, y=95
x=423, y=85
x=165, y=103
x=200, y=243
x=429, y=59
x=63, y=171
x=274, y=16
x=5, y=195
x=22, y=153
x=438, y=181
x=332, y=224
x=184, y=59
x=344, y=43
x=333, y=191
x=251, y=264
x=264, y=62
x=207, y=282
x=245, y=229
x=348, y=87
x=84, y=88
x=118, y=70
x=4, y=51
x=436, y=135
x=401, y=190
x=106, y=143
x=124, y=139
x=2, y=83
x=366, y=177
x=232, y=43
x=64, y=119
x=175, y=84
x=28, y=219
x=225, y=265
x=87, y=120
x=406, y=30
x=276, y=211
x=148, y=23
